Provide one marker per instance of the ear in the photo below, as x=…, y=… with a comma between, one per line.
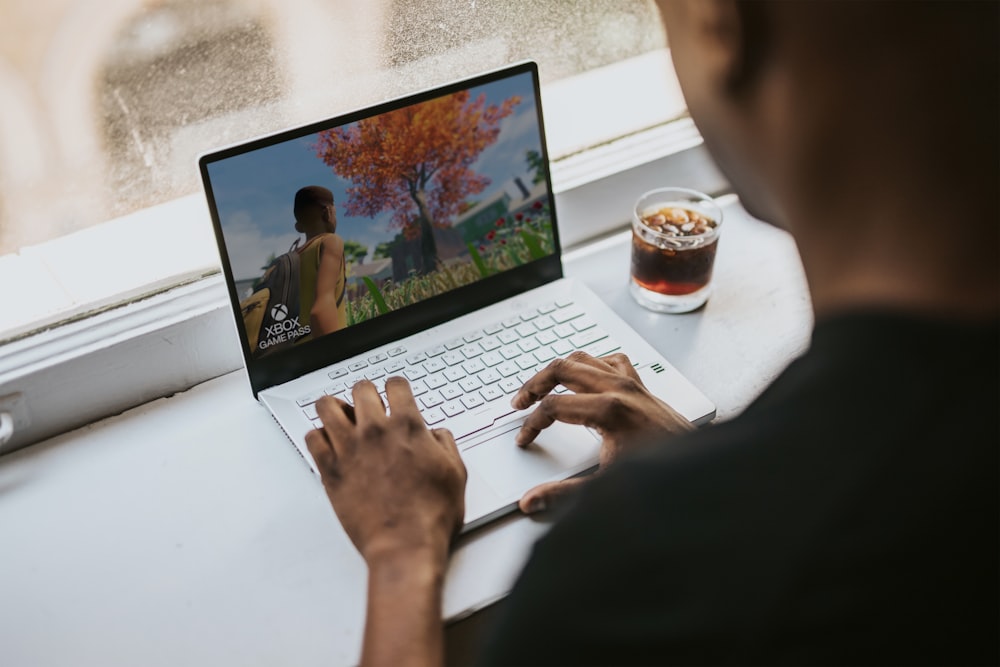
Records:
x=727, y=36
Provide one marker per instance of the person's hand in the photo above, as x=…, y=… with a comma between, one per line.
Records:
x=396, y=486
x=608, y=396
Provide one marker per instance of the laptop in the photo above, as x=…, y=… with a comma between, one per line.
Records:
x=418, y=237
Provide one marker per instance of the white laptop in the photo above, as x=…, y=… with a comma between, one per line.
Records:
x=451, y=275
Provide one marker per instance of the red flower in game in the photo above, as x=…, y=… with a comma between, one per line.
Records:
x=482, y=248
x=537, y=206
x=519, y=216
x=500, y=222
x=491, y=235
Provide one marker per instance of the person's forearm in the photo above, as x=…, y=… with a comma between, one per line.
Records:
x=324, y=317
x=403, y=625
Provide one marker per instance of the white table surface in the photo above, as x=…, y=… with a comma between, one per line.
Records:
x=188, y=532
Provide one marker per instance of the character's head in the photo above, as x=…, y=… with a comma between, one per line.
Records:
x=314, y=211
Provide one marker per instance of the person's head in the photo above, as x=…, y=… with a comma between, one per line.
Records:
x=827, y=115
x=314, y=211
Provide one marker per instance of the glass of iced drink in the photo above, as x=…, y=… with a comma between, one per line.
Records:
x=675, y=232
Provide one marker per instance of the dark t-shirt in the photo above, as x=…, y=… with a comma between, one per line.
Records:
x=849, y=515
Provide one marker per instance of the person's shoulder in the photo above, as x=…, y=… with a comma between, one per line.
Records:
x=332, y=243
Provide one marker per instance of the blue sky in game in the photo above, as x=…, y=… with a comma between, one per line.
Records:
x=254, y=191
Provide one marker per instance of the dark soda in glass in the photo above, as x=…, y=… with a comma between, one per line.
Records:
x=673, y=251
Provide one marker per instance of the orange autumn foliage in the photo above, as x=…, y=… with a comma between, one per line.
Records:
x=415, y=161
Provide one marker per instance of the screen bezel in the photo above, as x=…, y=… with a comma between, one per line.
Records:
x=282, y=366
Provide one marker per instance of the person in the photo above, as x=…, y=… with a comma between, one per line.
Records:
x=323, y=277
x=850, y=514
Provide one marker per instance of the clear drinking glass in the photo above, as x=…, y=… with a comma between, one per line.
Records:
x=675, y=232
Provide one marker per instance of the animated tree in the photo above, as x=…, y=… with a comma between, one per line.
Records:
x=416, y=162
x=354, y=251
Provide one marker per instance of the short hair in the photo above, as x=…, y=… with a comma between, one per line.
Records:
x=312, y=195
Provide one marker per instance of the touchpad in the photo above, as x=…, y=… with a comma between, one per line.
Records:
x=559, y=451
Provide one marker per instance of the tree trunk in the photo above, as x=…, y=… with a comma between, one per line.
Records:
x=428, y=246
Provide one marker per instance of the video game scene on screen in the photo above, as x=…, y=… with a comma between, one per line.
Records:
x=341, y=226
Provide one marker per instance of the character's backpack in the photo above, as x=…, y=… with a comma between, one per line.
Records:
x=275, y=301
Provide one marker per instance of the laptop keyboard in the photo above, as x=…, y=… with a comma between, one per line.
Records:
x=462, y=383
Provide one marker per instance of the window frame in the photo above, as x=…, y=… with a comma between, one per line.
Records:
x=106, y=356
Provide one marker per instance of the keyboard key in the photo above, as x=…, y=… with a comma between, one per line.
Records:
x=489, y=343
x=436, y=351
x=380, y=387
x=509, y=385
x=527, y=362
x=587, y=337
x=510, y=352
x=564, y=331
x=469, y=384
x=453, y=408
x=583, y=323
x=562, y=302
x=317, y=423
x=454, y=344
x=415, y=359
x=357, y=366
x=474, y=366
x=566, y=315
x=396, y=351
x=544, y=354
x=436, y=381
x=530, y=315
x=507, y=337
x=472, y=337
x=491, y=393
x=471, y=401
x=562, y=348
x=378, y=358
x=452, y=358
x=489, y=376
x=544, y=322
x=546, y=338
x=494, y=328
x=560, y=389
x=375, y=373
x=418, y=388
x=309, y=398
x=511, y=322
x=433, y=416
x=507, y=369
x=310, y=411
x=454, y=374
x=471, y=351
x=491, y=359
x=528, y=344
x=525, y=330
x=394, y=367
x=431, y=399
x=450, y=391
x=434, y=365
x=546, y=308
x=337, y=373
x=336, y=388
x=414, y=373
x=602, y=347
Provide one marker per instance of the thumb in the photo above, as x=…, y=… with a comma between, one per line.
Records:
x=548, y=495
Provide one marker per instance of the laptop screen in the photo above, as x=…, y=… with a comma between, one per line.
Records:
x=341, y=225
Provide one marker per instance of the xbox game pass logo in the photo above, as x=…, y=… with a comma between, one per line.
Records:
x=285, y=328
x=279, y=312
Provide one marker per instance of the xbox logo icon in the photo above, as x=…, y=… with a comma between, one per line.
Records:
x=279, y=312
